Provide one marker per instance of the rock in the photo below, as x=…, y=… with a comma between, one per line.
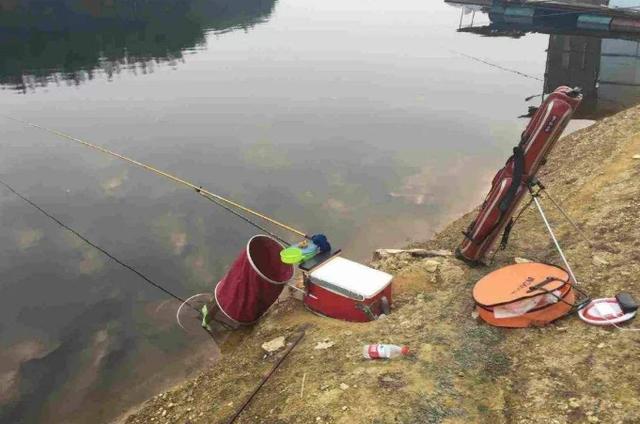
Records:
x=430, y=265
x=573, y=402
x=599, y=261
x=164, y=412
x=326, y=344
x=593, y=419
x=636, y=156
x=344, y=386
x=451, y=273
x=273, y=345
x=601, y=345
x=344, y=408
x=521, y=260
x=381, y=316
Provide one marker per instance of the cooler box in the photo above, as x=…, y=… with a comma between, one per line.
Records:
x=347, y=290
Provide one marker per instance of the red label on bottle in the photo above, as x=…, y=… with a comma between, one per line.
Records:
x=373, y=351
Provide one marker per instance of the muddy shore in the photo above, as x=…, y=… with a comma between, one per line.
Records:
x=462, y=370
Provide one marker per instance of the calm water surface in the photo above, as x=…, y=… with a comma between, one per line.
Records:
x=356, y=119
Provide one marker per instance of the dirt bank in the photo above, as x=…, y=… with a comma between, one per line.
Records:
x=463, y=371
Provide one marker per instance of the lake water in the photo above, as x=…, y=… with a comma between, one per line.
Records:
x=360, y=120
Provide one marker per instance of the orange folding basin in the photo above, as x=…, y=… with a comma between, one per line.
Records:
x=524, y=295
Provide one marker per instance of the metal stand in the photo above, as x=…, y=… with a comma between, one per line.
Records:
x=567, y=217
x=535, y=194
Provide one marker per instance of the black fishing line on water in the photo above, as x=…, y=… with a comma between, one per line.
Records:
x=495, y=65
x=95, y=246
x=524, y=75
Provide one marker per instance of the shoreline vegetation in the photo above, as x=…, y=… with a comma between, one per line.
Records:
x=462, y=370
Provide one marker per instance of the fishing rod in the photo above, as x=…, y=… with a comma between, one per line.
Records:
x=215, y=198
x=95, y=246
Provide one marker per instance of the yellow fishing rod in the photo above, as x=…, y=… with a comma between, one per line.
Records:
x=216, y=198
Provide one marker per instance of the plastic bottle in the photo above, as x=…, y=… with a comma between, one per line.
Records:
x=384, y=351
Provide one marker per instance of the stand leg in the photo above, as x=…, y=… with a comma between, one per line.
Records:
x=566, y=216
x=553, y=237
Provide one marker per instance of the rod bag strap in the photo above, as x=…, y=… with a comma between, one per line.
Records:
x=507, y=200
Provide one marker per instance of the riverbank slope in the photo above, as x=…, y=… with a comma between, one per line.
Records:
x=462, y=371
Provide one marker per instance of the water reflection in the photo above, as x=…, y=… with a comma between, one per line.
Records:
x=606, y=65
x=69, y=41
x=349, y=118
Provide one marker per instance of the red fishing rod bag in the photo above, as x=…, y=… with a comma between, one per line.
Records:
x=510, y=183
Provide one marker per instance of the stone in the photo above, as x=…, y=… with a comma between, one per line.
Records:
x=273, y=345
x=326, y=344
x=519, y=260
x=636, y=156
x=430, y=265
x=344, y=408
x=601, y=345
x=599, y=261
x=344, y=386
x=573, y=402
x=451, y=273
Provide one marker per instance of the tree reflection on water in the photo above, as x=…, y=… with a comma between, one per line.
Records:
x=70, y=41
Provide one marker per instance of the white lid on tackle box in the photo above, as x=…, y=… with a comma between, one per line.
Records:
x=349, y=278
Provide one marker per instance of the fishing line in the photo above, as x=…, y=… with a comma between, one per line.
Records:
x=494, y=65
x=522, y=74
x=95, y=246
x=173, y=178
